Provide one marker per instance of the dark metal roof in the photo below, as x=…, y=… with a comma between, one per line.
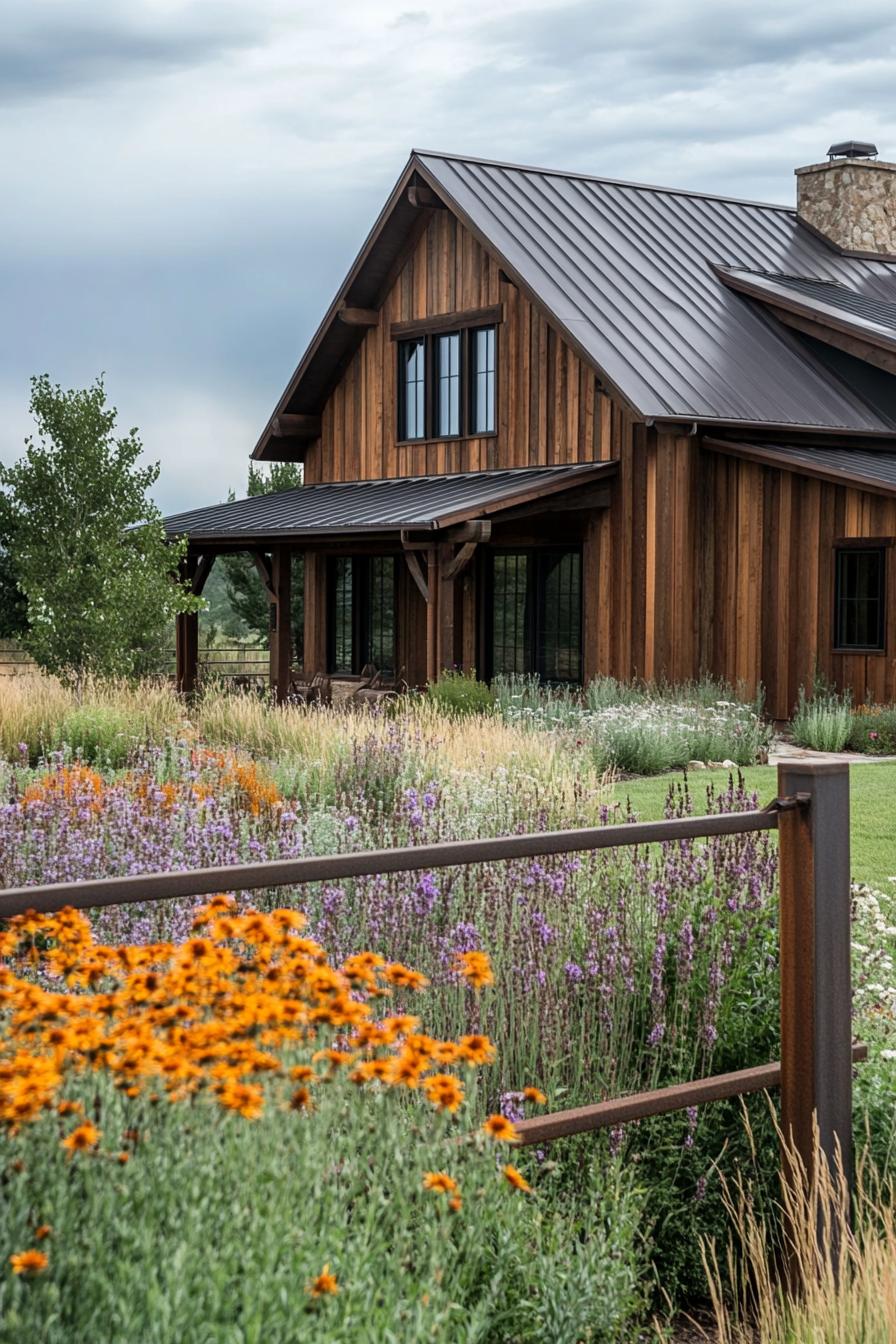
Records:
x=626, y=272
x=379, y=506
x=873, y=469
x=821, y=294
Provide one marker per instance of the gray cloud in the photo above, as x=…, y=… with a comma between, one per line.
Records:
x=49, y=51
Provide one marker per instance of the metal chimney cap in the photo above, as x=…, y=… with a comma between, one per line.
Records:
x=853, y=149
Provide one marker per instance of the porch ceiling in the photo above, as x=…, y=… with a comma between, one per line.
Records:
x=424, y=503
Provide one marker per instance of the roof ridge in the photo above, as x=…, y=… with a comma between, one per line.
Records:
x=607, y=181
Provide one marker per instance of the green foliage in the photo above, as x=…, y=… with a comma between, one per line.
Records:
x=873, y=730
x=213, y=1230
x=13, y=607
x=459, y=694
x=247, y=598
x=99, y=596
x=823, y=720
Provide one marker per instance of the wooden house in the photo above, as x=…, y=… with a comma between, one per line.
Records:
x=569, y=426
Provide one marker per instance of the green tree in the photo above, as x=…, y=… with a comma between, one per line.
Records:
x=13, y=608
x=86, y=544
x=248, y=599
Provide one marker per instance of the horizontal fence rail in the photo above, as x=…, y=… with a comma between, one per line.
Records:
x=372, y=862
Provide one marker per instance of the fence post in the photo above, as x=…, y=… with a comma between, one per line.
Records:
x=816, y=979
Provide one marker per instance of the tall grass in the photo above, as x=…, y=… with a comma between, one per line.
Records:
x=105, y=723
x=786, y=1288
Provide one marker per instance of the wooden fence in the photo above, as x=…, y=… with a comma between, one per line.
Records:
x=811, y=816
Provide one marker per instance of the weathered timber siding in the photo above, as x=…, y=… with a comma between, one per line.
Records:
x=767, y=581
x=549, y=412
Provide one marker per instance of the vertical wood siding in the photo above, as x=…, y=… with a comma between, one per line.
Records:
x=549, y=409
x=767, y=580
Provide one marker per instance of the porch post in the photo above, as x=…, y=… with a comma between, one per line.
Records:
x=446, y=650
x=432, y=614
x=186, y=636
x=315, y=655
x=281, y=622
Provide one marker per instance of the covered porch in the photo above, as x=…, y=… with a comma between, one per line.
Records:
x=488, y=571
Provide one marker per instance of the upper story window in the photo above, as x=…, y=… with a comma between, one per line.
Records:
x=859, y=596
x=482, y=380
x=447, y=380
x=412, y=389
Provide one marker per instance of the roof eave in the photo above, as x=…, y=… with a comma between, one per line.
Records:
x=766, y=456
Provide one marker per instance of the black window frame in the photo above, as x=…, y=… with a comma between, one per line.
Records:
x=403, y=385
x=360, y=626
x=843, y=552
x=431, y=342
x=538, y=570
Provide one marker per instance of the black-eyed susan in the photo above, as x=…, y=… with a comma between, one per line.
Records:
x=81, y=1139
x=517, y=1179
x=324, y=1285
x=502, y=1130
x=535, y=1096
x=439, y=1182
x=444, y=1091
x=28, y=1263
x=475, y=968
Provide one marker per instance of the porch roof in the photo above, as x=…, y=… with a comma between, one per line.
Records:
x=425, y=503
x=872, y=469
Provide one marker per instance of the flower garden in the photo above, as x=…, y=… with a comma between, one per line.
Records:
x=294, y=1114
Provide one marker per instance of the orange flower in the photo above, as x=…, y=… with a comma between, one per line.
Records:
x=502, y=1130
x=455, y=1203
x=324, y=1284
x=476, y=1049
x=405, y=978
x=42, y=1232
x=84, y=1137
x=439, y=1182
x=28, y=1263
x=535, y=1095
x=301, y=1100
x=444, y=1091
x=517, y=1180
x=475, y=968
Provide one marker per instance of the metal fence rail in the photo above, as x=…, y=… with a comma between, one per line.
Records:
x=811, y=816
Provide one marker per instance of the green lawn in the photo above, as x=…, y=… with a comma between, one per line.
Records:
x=872, y=803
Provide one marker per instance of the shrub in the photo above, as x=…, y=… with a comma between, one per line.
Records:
x=873, y=730
x=458, y=694
x=349, y=1194
x=822, y=721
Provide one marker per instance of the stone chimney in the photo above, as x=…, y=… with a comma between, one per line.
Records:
x=851, y=200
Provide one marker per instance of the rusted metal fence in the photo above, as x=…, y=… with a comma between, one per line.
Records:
x=811, y=816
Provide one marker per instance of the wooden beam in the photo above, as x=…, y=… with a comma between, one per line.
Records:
x=285, y=426
x=203, y=569
x=459, y=562
x=470, y=317
x=281, y=622
x=477, y=529
x=424, y=197
x=446, y=652
x=358, y=317
x=289, y=449
x=265, y=572
x=432, y=614
x=413, y=565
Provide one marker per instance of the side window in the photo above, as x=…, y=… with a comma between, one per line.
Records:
x=859, y=591
x=412, y=390
x=482, y=380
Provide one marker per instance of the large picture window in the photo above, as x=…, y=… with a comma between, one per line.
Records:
x=859, y=590
x=447, y=384
x=361, y=611
x=534, y=613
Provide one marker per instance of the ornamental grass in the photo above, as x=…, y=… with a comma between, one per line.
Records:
x=234, y=1138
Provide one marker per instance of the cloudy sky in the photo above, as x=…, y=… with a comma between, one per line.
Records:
x=185, y=182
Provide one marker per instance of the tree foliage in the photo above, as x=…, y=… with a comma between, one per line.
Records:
x=86, y=544
x=13, y=608
x=247, y=596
